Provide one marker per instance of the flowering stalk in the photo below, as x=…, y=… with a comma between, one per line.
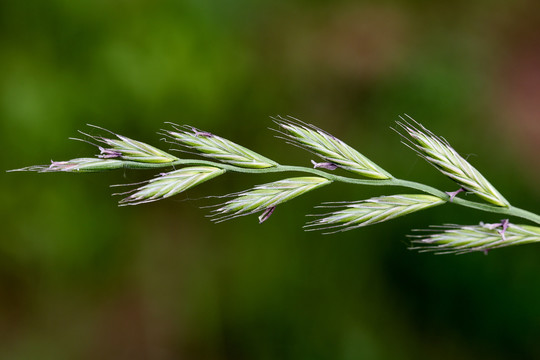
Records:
x=120, y=152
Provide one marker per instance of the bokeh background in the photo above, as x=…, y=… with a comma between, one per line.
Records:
x=81, y=278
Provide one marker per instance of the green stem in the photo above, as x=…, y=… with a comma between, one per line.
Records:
x=508, y=211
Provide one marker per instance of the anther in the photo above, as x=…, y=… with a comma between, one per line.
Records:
x=266, y=214
x=108, y=153
x=324, y=165
x=453, y=194
x=202, y=133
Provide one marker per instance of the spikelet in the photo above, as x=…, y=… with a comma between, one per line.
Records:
x=77, y=165
x=265, y=197
x=124, y=148
x=456, y=239
x=438, y=152
x=329, y=148
x=217, y=148
x=171, y=183
x=371, y=211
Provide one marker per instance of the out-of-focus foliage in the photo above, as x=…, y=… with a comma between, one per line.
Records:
x=81, y=278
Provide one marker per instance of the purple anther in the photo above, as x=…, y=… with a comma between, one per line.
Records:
x=57, y=165
x=491, y=226
x=62, y=166
x=108, y=153
x=324, y=165
x=503, y=225
x=453, y=194
x=202, y=133
x=266, y=214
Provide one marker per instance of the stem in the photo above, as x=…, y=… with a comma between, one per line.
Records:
x=509, y=210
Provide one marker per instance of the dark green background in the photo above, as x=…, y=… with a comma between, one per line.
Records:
x=81, y=278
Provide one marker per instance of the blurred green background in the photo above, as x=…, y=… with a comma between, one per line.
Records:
x=81, y=278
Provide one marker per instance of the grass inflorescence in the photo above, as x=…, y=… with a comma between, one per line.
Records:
x=221, y=155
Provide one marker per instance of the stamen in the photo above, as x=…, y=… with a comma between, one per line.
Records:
x=266, y=214
x=108, y=153
x=503, y=225
x=202, y=133
x=324, y=165
x=453, y=194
